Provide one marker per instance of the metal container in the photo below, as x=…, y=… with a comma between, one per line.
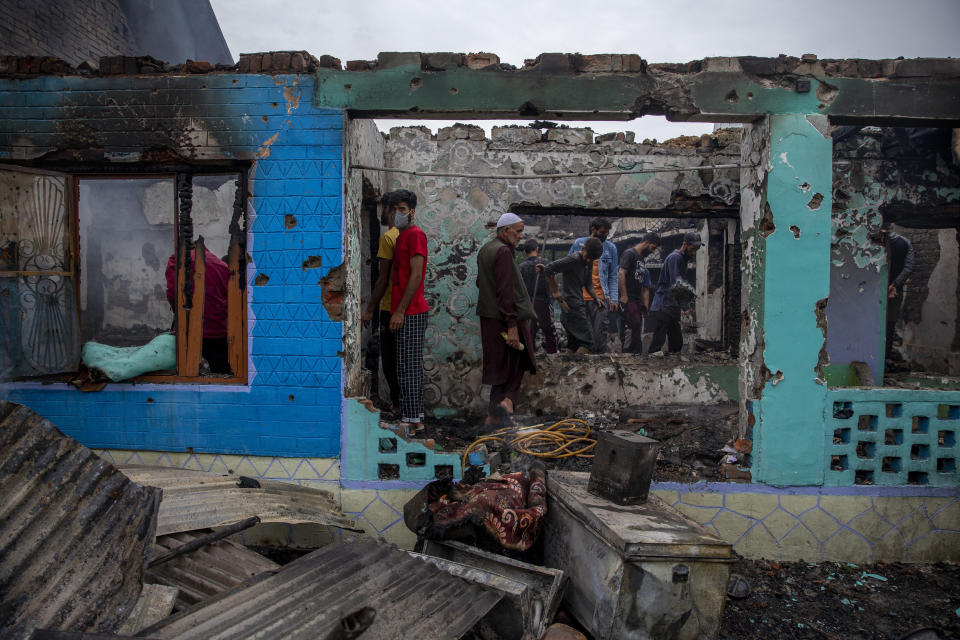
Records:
x=623, y=466
x=635, y=572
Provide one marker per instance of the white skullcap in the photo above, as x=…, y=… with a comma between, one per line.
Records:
x=508, y=219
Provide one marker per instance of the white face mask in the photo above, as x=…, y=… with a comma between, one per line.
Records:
x=401, y=220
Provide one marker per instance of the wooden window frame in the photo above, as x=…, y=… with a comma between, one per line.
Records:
x=189, y=349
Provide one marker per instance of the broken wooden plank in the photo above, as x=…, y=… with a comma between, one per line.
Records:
x=194, y=337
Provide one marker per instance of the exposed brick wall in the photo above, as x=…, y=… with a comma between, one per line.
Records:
x=73, y=31
x=926, y=253
x=291, y=404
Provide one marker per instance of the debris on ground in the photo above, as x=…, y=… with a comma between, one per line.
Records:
x=497, y=512
x=843, y=600
x=692, y=438
x=195, y=500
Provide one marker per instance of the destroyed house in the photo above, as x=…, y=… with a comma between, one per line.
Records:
x=110, y=177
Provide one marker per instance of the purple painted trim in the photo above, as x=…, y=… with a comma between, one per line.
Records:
x=131, y=386
x=733, y=487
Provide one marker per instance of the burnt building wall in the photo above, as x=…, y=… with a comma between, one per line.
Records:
x=261, y=124
x=72, y=31
x=458, y=213
x=86, y=30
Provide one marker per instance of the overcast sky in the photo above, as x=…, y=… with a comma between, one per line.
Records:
x=661, y=31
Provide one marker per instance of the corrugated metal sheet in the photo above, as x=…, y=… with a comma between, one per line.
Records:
x=204, y=573
x=308, y=597
x=73, y=530
x=198, y=500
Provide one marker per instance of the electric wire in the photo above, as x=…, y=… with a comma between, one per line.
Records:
x=563, y=439
x=548, y=176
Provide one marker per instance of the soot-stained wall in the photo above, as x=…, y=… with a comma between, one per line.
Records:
x=913, y=181
x=290, y=402
x=457, y=213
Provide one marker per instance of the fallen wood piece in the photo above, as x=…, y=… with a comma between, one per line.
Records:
x=205, y=539
x=200, y=500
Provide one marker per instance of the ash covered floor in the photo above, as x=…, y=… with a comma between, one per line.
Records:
x=836, y=600
x=691, y=437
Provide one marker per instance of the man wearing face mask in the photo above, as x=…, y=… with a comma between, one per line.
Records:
x=380, y=303
x=408, y=314
x=505, y=311
x=635, y=286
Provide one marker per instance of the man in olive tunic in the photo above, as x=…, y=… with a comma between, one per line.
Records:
x=505, y=313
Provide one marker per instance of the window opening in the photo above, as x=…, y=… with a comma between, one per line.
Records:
x=93, y=259
x=891, y=317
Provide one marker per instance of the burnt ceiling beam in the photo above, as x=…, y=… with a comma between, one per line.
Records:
x=622, y=87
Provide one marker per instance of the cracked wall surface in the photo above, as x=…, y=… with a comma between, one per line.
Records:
x=622, y=87
x=913, y=180
x=292, y=153
x=457, y=214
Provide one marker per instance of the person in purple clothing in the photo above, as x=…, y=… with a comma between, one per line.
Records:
x=665, y=311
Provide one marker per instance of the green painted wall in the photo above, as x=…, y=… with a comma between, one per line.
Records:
x=788, y=442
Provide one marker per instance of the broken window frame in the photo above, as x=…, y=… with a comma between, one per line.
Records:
x=190, y=285
x=188, y=350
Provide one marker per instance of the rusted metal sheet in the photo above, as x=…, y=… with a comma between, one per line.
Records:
x=523, y=614
x=198, y=500
x=308, y=597
x=73, y=530
x=204, y=573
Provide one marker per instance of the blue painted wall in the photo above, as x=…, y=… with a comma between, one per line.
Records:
x=291, y=404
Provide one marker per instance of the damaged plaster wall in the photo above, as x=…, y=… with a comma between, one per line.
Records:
x=261, y=123
x=755, y=158
x=564, y=385
x=877, y=172
x=789, y=444
x=457, y=214
x=364, y=145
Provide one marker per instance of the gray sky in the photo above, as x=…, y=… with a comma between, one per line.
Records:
x=659, y=31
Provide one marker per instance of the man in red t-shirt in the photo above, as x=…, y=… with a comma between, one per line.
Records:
x=408, y=312
x=214, y=349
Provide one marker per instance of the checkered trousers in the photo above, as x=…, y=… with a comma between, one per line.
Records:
x=410, y=366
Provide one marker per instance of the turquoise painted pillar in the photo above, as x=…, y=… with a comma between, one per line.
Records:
x=788, y=435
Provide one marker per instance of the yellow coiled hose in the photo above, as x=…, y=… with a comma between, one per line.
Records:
x=564, y=439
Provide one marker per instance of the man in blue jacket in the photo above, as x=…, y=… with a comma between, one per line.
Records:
x=666, y=308
x=604, y=283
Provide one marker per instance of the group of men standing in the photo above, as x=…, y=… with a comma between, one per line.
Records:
x=598, y=284
x=515, y=301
